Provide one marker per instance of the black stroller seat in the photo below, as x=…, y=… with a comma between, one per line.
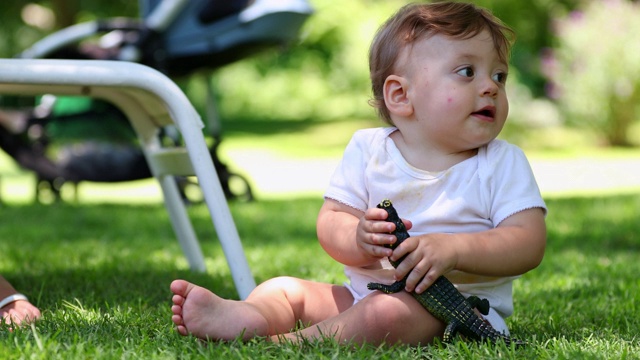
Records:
x=213, y=33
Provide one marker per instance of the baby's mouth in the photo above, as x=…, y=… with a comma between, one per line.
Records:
x=487, y=112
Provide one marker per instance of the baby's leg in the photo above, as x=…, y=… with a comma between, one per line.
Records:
x=274, y=307
x=376, y=319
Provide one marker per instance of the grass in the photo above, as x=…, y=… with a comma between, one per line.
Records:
x=100, y=273
x=100, y=269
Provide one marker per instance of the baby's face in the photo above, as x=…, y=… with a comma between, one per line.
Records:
x=457, y=89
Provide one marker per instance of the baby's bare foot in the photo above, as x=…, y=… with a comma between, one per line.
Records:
x=201, y=313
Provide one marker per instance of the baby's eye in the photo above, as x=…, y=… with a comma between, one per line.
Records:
x=500, y=77
x=466, y=72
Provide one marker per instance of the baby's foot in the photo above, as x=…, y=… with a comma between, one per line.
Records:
x=201, y=313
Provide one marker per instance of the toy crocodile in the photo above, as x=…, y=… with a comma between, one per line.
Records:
x=442, y=299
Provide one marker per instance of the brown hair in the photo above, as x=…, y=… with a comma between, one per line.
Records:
x=417, y=21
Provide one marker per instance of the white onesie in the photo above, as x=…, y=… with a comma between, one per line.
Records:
x=473, y=195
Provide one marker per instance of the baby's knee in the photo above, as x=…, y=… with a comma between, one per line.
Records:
x=388, y=309
x=402, y=317
x=397, y=309
x=280, y=284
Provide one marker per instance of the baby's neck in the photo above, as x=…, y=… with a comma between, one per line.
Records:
x=425, y=157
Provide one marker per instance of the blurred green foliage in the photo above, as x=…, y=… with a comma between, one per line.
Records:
x=594, y=68
x=324, y=76
x=24, y=22
x=531, y=21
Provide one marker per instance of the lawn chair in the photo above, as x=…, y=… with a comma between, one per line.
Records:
x=176, y=37
x=151, y=101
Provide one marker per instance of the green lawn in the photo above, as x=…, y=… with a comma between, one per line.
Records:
x=100, y=273
x=99, y=269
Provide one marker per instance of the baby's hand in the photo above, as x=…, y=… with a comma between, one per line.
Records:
x=19, y=312
x=373, y=233
x=428, y=257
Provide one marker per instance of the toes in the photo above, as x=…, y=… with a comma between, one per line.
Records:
x=178, y=300
x=178, y=320
x=180, y=287
x=182, y=330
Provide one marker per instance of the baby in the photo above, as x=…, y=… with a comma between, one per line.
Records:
x=471, y=202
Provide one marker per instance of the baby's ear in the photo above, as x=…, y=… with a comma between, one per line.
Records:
x=395, y=96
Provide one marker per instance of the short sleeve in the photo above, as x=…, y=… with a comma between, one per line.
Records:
x=348, y=183
x=511, y=182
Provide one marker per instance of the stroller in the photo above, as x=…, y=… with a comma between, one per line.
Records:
x=176, y=37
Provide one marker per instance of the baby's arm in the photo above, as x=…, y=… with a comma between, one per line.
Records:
x=353, y=237
x=514, y=247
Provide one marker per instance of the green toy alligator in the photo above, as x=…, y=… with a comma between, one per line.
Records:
x=442, y=299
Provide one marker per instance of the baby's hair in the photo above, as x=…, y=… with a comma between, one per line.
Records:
x=418, y=21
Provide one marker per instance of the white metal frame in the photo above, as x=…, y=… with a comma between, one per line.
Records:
x=150, y=100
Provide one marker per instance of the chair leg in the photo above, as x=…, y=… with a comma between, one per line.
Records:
x=181, y=224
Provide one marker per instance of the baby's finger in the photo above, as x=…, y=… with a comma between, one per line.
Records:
x=375, y=214
x=374, y=244
x=413, y=279
x=380, y=251
x=377, y=227
x=426, y=281
x=407, y=224
x=377, y=238
x=407, y=247
x=375, y=250
x=406, y=266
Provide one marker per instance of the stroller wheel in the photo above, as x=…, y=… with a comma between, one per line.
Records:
x=238, y=188
x=234, y=186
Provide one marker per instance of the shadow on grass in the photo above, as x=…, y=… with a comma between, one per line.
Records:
x=106, y=287
x=118, y=253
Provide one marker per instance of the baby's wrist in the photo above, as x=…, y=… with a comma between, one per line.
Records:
x=11, y=299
